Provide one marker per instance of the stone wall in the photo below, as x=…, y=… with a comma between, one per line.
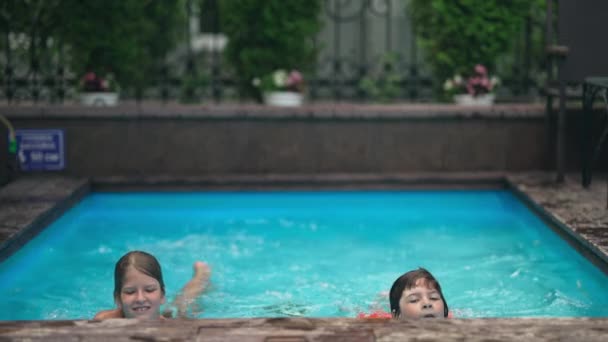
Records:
x=181, y=140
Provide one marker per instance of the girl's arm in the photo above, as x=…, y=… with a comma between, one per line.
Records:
x=192, y=290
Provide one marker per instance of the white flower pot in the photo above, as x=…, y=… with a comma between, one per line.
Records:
x=283, y=98
x=470, y=100
x=99, y=98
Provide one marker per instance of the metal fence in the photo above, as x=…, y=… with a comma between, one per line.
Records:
x=362, y=42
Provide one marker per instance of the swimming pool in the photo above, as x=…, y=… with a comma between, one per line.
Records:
x=307, y=253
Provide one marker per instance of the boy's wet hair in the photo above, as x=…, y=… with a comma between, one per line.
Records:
x=407, y=281
x=143, y=262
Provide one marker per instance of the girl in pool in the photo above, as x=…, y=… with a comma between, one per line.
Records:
x=139, y=289
x=417, y=294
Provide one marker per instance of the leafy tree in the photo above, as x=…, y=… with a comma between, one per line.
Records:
x=127, y=37
x=457, y=34
x=29, y=28
x=266, y=35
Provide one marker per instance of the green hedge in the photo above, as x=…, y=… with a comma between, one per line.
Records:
x=457, y=34
x=127, y=37
x=266, y=35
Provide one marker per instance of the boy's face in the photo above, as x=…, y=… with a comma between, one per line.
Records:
x=421, y=302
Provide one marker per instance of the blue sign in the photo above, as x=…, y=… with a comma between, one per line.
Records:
x=40, y=149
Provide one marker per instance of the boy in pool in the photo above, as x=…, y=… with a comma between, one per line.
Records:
x=139, y=289
x=417, y=294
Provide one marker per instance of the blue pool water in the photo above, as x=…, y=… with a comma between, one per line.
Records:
x=308, y=253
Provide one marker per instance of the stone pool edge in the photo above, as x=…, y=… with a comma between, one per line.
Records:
x=30, y=204
x=310, y=329
x=587, y=248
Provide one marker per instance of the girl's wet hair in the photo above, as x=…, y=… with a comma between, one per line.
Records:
x=408, y=281
x=143, y=262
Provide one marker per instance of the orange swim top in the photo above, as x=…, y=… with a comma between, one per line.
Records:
x=375, y=314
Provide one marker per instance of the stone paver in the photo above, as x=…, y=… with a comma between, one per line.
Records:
x=581, y=209
x=30, y=203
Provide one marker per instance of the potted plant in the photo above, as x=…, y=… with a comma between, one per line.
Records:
x=455, y=34
x=280, y=34
x=281, y=88
x=129, y=37
x=474, y=90
x=98, y=91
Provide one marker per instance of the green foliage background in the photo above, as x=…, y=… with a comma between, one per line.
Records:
x=127, y=37
x=383, y=85
x=132, y=37
x=457, y=34
x=265, y=35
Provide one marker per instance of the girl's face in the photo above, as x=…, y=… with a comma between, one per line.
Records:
x=140, y=296
x=421, y=302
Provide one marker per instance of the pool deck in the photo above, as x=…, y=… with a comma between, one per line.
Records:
x=32, y=202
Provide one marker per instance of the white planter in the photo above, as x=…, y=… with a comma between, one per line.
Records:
x=99, y=99
x=470, y=100
x=283, y=98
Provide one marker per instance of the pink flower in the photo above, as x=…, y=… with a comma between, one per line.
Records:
x=480, y=69
x=295, y=78
x=280, y=80
x=91, y=82
x=477, y=84
x=90, y=76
